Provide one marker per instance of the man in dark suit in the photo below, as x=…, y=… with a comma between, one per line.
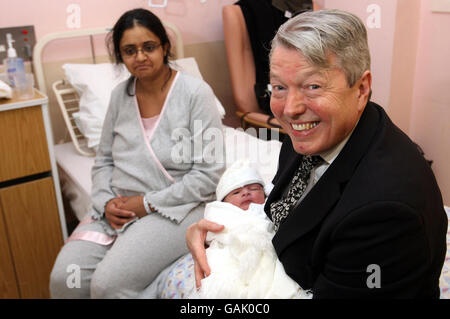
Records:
x=357, y=209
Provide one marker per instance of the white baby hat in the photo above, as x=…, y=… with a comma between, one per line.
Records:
x=239, y=174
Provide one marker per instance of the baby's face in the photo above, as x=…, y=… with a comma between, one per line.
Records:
x=244, y=196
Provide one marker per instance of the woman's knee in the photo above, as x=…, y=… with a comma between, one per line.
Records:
x=99, y=288
x=66, y=280
x=106, y=283
x=73, y=269
x=58, y=279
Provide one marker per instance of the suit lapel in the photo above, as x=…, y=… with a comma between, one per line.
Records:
x=314, y=207
x=318, y=203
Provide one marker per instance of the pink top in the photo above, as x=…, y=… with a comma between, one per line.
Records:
x=149, y=137
x=149, y=125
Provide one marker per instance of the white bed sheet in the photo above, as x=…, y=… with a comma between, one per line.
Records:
x=75, y=169
x=75, y=177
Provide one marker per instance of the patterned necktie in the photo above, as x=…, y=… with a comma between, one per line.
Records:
x=281, y=209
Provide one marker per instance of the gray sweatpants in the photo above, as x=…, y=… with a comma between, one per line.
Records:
x=126, y=267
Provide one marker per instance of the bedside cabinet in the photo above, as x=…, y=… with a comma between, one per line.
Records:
x=32, y=224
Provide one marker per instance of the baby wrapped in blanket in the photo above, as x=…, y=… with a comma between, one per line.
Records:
x=242, y=259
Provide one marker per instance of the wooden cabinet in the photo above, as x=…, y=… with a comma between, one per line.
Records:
x=32, y=225
x=23, y=144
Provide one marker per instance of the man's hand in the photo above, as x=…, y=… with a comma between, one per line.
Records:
x=195, y=240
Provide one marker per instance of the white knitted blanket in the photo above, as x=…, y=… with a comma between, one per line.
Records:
x=242, y=259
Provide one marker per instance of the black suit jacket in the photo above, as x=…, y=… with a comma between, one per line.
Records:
x=377, y=204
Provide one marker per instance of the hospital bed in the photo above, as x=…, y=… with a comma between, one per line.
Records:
x=75, y=158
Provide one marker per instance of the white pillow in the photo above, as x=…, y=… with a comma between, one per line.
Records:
x=244, y=145
x=95, y=82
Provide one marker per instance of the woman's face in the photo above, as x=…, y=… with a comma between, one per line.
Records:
x=142, y=52
x=244, y=196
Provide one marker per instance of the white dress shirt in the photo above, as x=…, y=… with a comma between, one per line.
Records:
x=328, y=158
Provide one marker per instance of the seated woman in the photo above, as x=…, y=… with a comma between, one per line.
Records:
x=242, y=258
x=143, y=196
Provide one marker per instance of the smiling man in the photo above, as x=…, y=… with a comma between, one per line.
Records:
x=315, y=106
x=357, y=208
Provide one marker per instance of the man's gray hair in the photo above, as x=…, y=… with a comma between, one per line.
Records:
x=317, y=33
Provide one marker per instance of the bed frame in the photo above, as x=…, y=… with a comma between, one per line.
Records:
x=66, y=95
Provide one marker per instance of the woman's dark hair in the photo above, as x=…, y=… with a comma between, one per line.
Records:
x=130, y=19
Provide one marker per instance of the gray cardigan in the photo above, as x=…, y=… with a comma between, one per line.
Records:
x=128, y=164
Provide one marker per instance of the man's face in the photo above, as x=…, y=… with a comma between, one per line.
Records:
x=242, y=197
x=316, y=107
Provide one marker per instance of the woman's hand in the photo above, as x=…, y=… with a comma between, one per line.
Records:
x=195, y=239
x=134, y=204
x=116, y=214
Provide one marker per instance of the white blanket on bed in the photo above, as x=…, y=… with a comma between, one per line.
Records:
x=243, y=261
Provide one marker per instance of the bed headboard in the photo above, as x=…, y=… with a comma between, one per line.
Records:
x=40, y=45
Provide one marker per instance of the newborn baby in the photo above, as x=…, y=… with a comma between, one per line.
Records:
x=242, y=259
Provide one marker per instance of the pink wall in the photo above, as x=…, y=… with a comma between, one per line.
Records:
x=404, y=62
x=411, y=70
x=430, y=120
x=381, y=41
x=198, y=22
